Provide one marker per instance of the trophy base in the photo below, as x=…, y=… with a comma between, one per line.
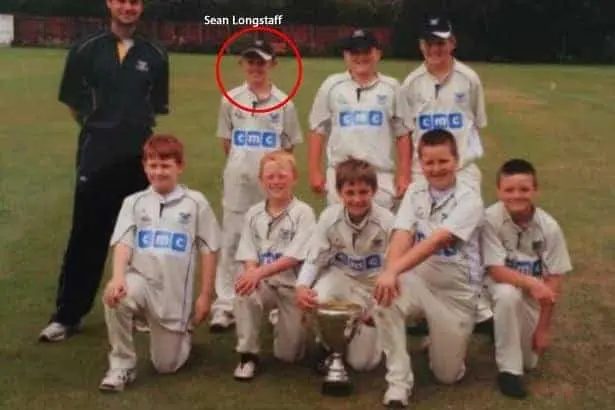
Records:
x=338, y=389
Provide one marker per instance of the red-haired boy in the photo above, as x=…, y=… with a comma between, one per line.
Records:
x=158, y=235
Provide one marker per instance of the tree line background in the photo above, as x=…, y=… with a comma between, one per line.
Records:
x=580, y=31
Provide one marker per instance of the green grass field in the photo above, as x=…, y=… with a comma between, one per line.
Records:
x=561, y=118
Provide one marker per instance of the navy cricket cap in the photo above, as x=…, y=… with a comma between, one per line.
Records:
x=259, y=49
x=437, y=28
x=360, y=40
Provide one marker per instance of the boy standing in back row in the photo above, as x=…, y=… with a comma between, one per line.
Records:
x=246, y=137
x=526, y=258
x=356, y=112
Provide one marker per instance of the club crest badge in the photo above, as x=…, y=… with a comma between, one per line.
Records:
x=142, y=66
x=382, y=99
x=184, y=217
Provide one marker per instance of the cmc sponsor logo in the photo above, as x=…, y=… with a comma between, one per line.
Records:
x=163, y=240
x=359, y=264
x=268, y=257
x=434, y=121
x=255, y=139
x=373, y=118
x=533, y=268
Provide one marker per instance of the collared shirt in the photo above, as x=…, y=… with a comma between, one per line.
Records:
x=166, y=235
x=456, y=104
x=108, y=92
x=362, y=122
x=459, y=211
x=538, y=249
x=266, y=238
x=356, y=249
x=252, y=135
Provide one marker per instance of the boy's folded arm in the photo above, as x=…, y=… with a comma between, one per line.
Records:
x=282, y=264
x=504, y=274
x=553, y=281
x=401, y=242
x=307, y=275
x=416, y=255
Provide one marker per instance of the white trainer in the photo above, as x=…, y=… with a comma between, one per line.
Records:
x=141, y=325
x=274, y=316
x=246, y=369
x=221, y=321
x=117, y=379
x=396, y=398
x=55, y=332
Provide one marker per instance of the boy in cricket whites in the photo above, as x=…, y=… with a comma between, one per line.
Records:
x=432, y=270
x=272, y=248
x=525, y=254
x=161, y=233
x=445, y=93
x=356, y=113
x=346, y=252
x=246, y=137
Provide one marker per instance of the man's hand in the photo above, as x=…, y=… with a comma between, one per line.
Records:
x=202, y=307
x=402, y=182
x=317, y=182
x=540, y=341
x=306, y=298
x=541, y=292
x=248, y=281
x=115, y=291
x=386, y=289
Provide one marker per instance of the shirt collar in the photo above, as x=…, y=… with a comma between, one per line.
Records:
x=508, y=219
x=360, y=225
x=284, y=211
x=176, y=194
x=370, y=85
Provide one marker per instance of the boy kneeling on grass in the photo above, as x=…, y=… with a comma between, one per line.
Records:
x=526, y=257
x=157, y=237
x=346, y=252
x=272, y=248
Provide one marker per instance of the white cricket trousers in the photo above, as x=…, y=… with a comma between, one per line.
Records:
x=515, y=319
x=289, y=333
x=228, y=267
x=168, y=350
x=364, y=351
x=439, y=295
x=385, y=196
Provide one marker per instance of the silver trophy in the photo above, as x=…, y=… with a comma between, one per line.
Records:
x=337, y=323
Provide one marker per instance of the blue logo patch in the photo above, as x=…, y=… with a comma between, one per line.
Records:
x=266, y=258
x=528, y=267
x=255, y=139
x=428, y=122
x=359, y=264
x=371, y=118
x=165, y=240
x=447, y=251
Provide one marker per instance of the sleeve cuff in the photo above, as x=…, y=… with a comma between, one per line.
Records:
x=307, y=275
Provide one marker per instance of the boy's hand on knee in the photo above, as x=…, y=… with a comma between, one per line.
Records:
x=540, y=341
x=541, y=292
x=306, y=297
x=248, y=282
x=202, y=307
x=115, y=291
x=386, y=290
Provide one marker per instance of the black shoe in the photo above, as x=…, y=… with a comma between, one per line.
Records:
x=321, y=360
x=511, y=385
x=420, y=329
x=396, y=404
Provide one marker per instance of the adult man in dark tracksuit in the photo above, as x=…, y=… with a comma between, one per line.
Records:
x=114, y=83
